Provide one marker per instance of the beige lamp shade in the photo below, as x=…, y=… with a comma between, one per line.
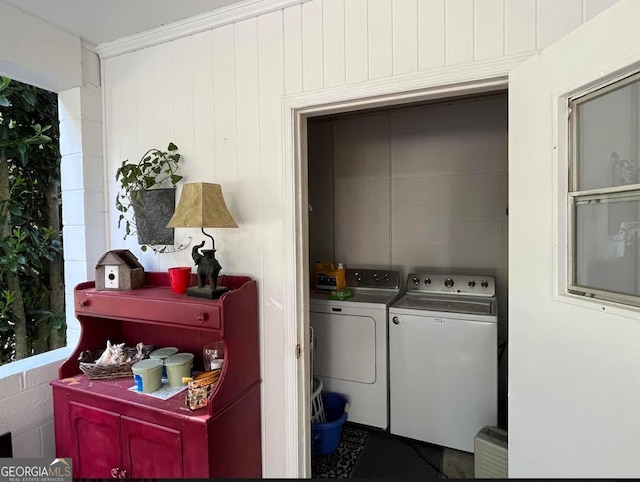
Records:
x=201, y=205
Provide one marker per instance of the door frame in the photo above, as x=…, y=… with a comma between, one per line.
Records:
x=447, y=82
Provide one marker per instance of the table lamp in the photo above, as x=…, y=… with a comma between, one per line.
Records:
x=201, y=205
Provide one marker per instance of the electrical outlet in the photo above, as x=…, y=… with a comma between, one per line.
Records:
x=111, y=277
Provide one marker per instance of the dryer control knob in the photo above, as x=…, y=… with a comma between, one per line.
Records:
x=376, y=276
x=386, y=278
x=448, y=283
x=416, y=281
x=484, y=284
x=472, y=284
x=396, y=320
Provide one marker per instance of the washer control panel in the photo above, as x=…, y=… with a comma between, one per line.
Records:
x=459, y=284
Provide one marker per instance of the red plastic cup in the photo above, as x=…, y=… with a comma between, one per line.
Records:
x=180, y=278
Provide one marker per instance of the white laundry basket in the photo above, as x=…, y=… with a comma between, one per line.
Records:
x=317, y=408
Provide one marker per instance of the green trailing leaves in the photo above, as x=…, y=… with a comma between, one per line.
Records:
x=155, y=169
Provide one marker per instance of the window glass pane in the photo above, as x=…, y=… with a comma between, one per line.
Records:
x=606, y=245
x=607, y=139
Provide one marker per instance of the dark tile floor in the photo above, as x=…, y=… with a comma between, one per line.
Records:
x=369, y=453
x=388, y=456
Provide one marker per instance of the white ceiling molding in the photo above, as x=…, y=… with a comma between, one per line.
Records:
x=88, y=46
x=193, y=25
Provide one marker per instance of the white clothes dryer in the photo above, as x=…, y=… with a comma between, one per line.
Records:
x=351, y=343
x=443, y=358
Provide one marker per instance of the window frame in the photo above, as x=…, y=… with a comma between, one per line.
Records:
x=576, y=197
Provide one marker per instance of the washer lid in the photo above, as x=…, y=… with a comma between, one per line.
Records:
x=447, y=304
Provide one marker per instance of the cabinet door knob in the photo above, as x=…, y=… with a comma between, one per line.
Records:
x=201, y=317
x=118, y=473
x=82, y=303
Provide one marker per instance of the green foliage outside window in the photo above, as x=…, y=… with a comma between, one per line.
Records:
x=31, y=267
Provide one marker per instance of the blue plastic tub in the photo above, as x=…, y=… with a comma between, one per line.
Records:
x=325, y=437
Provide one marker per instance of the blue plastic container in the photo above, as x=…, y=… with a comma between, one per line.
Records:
x=325, y=437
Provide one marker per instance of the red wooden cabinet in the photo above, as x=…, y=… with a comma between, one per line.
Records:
x=145, y=447
x=93, y=430
x=110, y=431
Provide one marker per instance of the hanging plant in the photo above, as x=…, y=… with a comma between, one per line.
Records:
x=146, y=200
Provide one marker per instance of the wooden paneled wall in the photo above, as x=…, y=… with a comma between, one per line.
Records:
x=218, y=95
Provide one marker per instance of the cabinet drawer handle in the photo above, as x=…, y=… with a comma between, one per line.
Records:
x=201, y=317
x=83, y=303
x=118, y=473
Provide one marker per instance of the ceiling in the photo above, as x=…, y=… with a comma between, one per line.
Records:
x=99, y=21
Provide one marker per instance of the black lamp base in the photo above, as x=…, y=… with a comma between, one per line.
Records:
x=207, y=292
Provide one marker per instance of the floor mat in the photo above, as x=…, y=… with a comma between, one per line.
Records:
x=340, y=463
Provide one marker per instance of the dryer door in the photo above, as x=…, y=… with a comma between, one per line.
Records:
x=345, y=347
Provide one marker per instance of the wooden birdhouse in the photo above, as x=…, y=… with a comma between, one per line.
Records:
x=119, y=270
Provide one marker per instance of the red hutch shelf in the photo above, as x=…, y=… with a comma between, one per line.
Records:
x=109, y=430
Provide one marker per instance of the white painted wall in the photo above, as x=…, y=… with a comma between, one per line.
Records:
x=380, y=38
x=573, y=365
x=27, y=405
x=40, y=54
x=218, y=95
x=82, y=183
x=37, y=52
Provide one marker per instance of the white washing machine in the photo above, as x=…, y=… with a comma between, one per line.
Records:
x=351, y=343
x=443, y=358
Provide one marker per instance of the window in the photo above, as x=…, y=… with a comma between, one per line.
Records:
x=604, y=193
x=32, y=300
